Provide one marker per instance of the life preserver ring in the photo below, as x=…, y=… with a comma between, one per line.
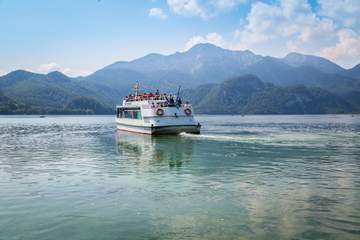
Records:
x=187, y=111
x=160, y=112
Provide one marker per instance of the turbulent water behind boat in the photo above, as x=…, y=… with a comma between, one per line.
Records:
x=289, y=177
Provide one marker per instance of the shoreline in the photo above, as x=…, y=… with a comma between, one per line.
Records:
x=202, y=114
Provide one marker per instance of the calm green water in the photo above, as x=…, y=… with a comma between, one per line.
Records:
x=252, y=177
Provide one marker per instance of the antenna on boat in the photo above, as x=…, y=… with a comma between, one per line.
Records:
x=178, y=92
x=136, y=88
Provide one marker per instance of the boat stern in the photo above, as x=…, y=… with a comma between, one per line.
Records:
x=176, y=129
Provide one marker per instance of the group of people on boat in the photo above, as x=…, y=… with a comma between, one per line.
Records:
x=171, y=100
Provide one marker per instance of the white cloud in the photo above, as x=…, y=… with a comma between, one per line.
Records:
x=213, y=38
x=226, y=4
x=187, y=8
x=347, y=49
x=292, y=25
x=346, y=12
x=2, y=72
x=202, y=8
x=51, y=67
x=157, y=12
x=288, y=25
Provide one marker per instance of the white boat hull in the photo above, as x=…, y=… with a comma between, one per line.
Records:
x=160, y=130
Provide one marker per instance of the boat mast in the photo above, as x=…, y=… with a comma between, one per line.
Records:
x=178, y=92
x=136, y=89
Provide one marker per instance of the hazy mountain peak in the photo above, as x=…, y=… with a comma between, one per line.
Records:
x=297, y=60
x=200, y=59
x=20, y=74
x=271, y=61
x=247, y=51
x=57, y=74
x=211, y=49
x=295, y=54
x=149, y=57
x=204, y=47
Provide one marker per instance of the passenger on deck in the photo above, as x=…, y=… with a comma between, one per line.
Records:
x=171, y=101
x=179, y=102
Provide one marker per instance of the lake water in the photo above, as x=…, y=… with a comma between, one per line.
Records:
x=250, y=177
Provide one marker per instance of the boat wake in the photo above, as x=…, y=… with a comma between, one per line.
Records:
x=264, y=139
x=216, y=137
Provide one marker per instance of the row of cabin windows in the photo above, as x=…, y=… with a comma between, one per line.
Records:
x=127, y=113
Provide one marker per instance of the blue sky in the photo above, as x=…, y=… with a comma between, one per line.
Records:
x=79, y=37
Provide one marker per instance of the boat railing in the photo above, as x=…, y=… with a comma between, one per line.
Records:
x=131, y=98
x=157, y=100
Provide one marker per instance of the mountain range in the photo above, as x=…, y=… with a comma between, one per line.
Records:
x=205, y=72
x=249, y=95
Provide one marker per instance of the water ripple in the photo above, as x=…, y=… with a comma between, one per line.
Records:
x=275, y=177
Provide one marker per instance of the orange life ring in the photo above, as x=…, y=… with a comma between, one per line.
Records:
x=160, y=112
x=187, y=111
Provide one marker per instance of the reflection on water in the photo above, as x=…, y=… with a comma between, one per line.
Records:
x=154, y=150
x=252, y=177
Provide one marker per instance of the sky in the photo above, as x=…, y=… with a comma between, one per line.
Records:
x=79, y=37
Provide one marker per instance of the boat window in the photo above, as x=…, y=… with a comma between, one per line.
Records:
x=119, y=112
x=130, y=113
x=137, y=114
x=127, y=114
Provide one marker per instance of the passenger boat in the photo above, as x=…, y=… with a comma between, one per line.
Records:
x=155, y=113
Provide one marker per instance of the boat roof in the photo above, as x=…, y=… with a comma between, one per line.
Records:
x=146, y=97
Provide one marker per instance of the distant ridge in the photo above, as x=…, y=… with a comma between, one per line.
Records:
x=201, y=66
x=322, y=64
x=31, y=93
x=249, y=95
x=207, y=63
